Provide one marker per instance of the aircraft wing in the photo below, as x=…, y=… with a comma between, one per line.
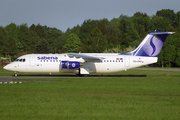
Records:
x=86, y=57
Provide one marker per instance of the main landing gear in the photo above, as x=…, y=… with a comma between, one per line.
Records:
x=79, y=74
x=82, y=75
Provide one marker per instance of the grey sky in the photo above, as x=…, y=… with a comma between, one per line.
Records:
x=63, y=14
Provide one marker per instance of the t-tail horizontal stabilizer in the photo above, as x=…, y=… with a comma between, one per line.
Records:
x=151, y=45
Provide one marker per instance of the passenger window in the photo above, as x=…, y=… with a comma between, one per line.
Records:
x=107, y=61
x=20, y=60
x=104, y=60
x=24, y=60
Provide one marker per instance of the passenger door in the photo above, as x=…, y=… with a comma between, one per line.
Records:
x=32, y=61
x=126, y=61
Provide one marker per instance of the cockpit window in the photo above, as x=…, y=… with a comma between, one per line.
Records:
x=17, y=60
x=20, y=60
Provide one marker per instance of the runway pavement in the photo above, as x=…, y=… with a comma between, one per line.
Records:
x=162, y=69
x=18, y=78
x=12, y=78
x=6, y=79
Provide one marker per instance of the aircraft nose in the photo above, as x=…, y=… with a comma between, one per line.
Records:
x=7, y=67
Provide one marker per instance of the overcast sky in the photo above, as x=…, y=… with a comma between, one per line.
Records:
x=64, y=14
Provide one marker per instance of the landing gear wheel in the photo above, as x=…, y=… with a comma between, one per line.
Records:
x=85, y=75
x=15, y=74
x=79, y=73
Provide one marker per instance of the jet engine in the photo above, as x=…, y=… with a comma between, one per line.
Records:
x=70, y=64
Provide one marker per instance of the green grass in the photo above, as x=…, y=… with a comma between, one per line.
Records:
x=93, y=98
x=135, y=94
x=5, y=72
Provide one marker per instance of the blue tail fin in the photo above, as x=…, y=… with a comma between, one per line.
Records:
x=151, y=45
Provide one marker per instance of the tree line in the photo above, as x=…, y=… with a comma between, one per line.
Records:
x=118, y=35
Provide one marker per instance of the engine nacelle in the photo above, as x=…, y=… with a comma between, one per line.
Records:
x=70, y=64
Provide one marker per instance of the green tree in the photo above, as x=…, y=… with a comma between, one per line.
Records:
x=168, y=14
x=42, y=46
x=169, y=55
x=142, y=23
x=3, y=40
x=161, y=23
x=61, y=42
x=177, y=60
x=53, y=39
x=113, y=35
x=12, y=32
x=33, y=38
x=86, y=28
x=9, y=40
x=73, y=43
x=128, y=32
x=40, y=31
x=97, y=42
x=75, y=30
x=175, y=40
x=177, y=20
x=139, y=14
x=24, y=38
x=161, y=58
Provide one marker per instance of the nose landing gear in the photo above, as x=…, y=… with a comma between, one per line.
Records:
x=15, y=74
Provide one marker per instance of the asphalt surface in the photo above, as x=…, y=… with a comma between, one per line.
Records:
x=6, y=79
x=162, y=69
x=13, y=78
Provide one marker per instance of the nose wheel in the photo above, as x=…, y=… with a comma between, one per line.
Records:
x=15, y=74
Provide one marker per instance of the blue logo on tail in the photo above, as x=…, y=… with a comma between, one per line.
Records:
x=153, y=46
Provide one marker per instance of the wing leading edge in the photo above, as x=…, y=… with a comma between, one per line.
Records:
x=86, y=57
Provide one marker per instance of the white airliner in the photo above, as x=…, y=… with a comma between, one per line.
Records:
x=86, y=63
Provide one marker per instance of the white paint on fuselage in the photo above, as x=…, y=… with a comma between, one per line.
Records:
x=110, y=63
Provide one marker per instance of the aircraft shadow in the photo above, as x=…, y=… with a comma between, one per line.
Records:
x=88, y=76
x=117, y=76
